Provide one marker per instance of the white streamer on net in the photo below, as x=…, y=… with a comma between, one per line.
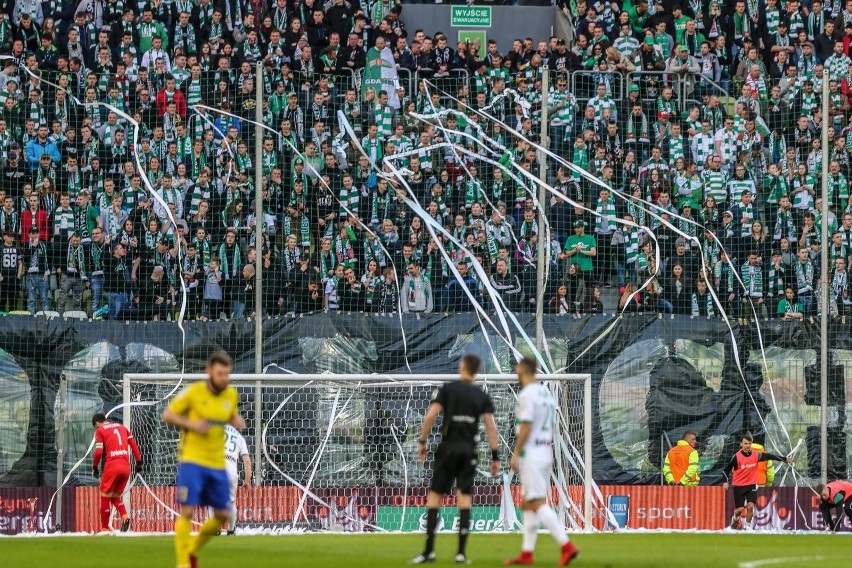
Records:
x=710, y=287
x=559, y=160
x=593, y=179
x=514, y=177
x=402, y=457
x=305, y=490
x=427, y=118
x=555, y=192
x=321, y=449
x=578, y=463
x=336, y=197
x=792, y=453
x=479, y=142
x=735, y=272
x=432, y=226
x=534, y=181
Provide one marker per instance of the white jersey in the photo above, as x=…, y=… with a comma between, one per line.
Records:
x=536, y=407
x=235, y=449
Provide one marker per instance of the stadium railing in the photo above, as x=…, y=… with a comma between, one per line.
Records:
x=584, y=84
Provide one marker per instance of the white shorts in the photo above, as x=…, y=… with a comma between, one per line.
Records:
x=535, y=476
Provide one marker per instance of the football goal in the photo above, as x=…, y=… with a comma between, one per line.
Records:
x=339, y=452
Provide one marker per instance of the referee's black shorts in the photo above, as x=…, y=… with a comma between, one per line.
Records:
x=453, y=463
x=745, y=494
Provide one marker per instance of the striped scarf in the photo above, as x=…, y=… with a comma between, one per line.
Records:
x=631, y=244
x=230, y=271
x=384, y=120
x=711, y=250
x=343, y=251
x=702, y=305
x=703, y=148
x=676, y=150
x=784, y=226
x=204, y=251
x=605, y=211
x=752, y=277
x=775, y=281
x=373, y=250
x=724, y=276
x=837, y=188
x=303, y=223
x=637, y=129
x=804, y=277
x=76, y=260
x=63, y=222
x=840, y=286
x=638, y=212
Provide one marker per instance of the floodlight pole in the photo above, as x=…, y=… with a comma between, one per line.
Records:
x=543, y=241
x=824, y=298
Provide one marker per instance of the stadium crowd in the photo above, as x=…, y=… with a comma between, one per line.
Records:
x=709, y=111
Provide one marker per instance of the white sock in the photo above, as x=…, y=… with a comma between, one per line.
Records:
x=551, y=522
x=232, y=518
x=530, y=531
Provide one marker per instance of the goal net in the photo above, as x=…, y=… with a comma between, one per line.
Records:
x=339, y=452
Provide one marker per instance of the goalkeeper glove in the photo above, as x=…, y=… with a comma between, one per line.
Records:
x=95, y=471
x=139, y=468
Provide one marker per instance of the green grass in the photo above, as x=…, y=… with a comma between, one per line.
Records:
x=377, y=551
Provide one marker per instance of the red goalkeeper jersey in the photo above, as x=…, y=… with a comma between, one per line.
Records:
x=113, y=444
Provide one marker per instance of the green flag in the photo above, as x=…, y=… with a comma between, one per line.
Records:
x=380, y=75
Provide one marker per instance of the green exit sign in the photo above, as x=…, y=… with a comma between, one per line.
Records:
x=471, y=17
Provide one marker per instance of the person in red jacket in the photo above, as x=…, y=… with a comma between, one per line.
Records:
x=168, y=94
x=34, y=216
x=835, y=495
x=744, y=468
x=113, y=444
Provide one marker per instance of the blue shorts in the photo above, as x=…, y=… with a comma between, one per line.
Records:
x=199, y=486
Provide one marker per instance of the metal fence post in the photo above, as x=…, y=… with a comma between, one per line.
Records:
x=60, y=448
x=258, y=240
x=824, y=296
x=125, y=420
x=258, y=433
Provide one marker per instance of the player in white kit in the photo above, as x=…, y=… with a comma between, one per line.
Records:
x=533, y=459
x=235, y=451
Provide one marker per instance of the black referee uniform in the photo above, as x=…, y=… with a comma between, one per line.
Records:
x=455, y=458
x=462, y=404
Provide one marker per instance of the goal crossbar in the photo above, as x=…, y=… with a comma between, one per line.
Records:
x=258, y=381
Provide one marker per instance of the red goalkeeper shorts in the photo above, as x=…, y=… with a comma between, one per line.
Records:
x=114, y=478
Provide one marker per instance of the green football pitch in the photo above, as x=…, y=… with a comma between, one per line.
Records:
x=377, y=551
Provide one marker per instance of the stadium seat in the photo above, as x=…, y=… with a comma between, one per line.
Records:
x=75, y=314
x=49, y=314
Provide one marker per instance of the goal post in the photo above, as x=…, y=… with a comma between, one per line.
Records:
x=339, y=452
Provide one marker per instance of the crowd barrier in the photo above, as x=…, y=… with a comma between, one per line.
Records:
x=25, y=510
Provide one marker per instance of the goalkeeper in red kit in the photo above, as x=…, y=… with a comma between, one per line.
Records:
x=744, y=468
x=113, y=444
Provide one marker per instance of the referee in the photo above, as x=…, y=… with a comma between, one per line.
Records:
x=455, y=459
